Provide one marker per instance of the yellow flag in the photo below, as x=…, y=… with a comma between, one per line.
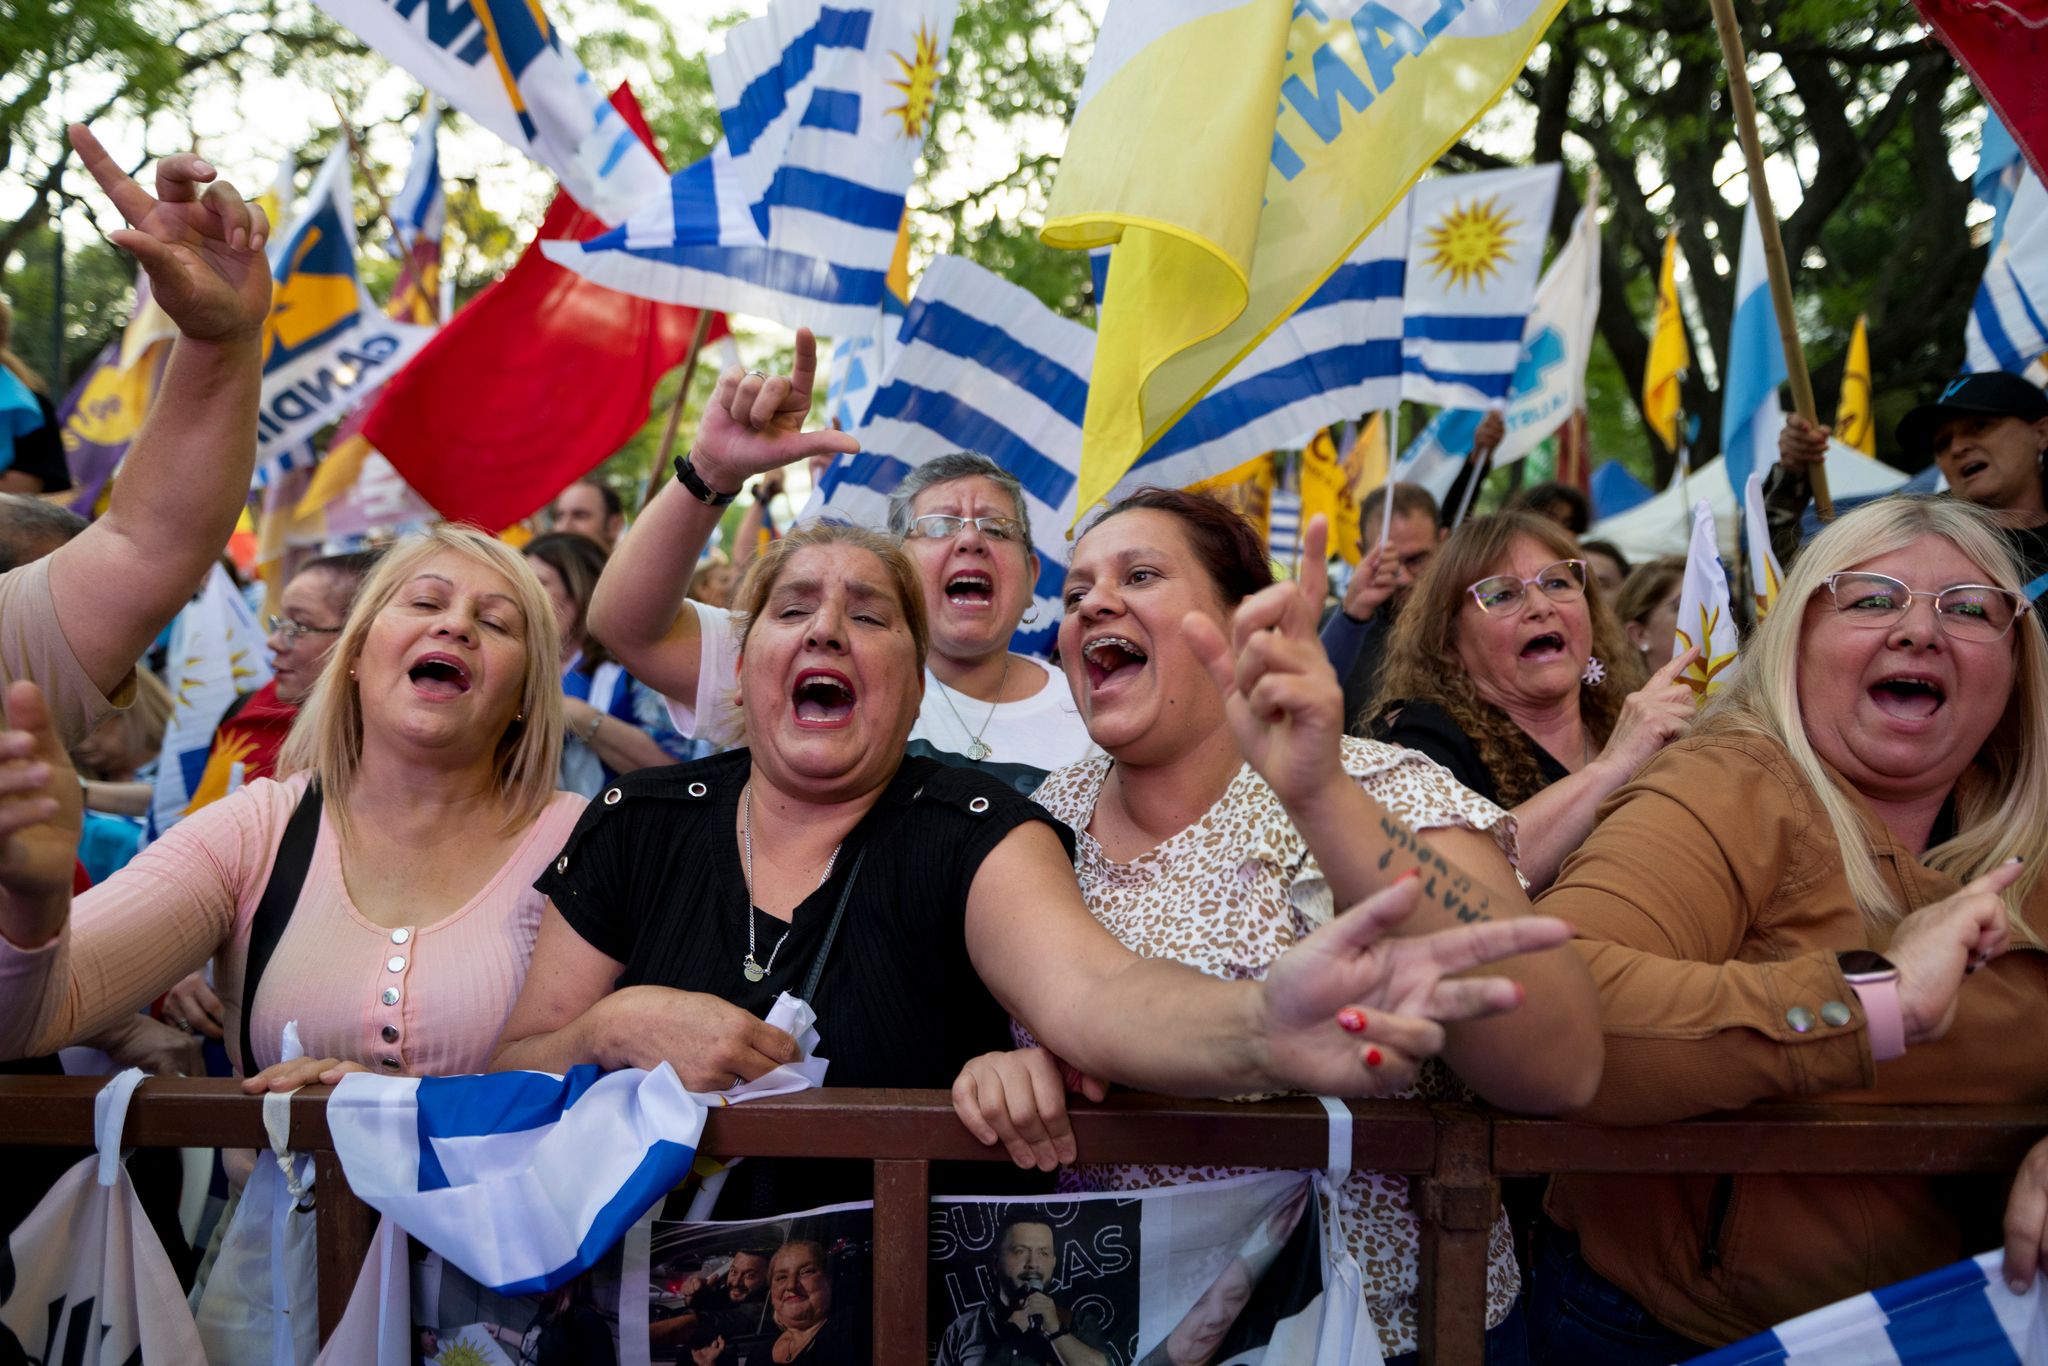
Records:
x=1248, y=489
x=1669, y=355
x=1326, y=487
x=1369, y=458
x=1853, y=425
x=1235, y=151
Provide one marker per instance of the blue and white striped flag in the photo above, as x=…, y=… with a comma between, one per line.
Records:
x=1475, y=250
x=502, y=63
x=217, y=653
x=986, y=368
x=1751, y=415
x=420, y=208
x=794, y=215
x=2008, y=328
x=523, y=1179
x=1961, y=1315
x=1338, y=356
x=1283, y=530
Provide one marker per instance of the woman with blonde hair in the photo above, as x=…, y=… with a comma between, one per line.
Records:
x=1787, y=905
x=378, y=892
x=1508, y=668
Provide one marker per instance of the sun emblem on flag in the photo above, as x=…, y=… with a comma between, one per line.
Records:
x=1470, y=243
x=920, y=83
x=1703, y=675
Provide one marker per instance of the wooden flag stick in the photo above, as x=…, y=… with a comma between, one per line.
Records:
x=355, y=151
x=1774, y=247
x=667, y=452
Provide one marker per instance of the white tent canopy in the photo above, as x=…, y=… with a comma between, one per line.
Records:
x=1663, y=524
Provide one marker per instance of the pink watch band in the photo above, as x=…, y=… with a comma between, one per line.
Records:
x=1882, y=1016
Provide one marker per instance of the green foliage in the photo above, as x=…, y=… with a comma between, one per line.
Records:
x=97, y=281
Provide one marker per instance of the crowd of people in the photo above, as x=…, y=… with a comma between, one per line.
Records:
x=1460, y=831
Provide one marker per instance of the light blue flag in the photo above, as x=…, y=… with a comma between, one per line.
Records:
x=1338, y=356
x=985, y=367
x=1475, y=253
x=1961, y=1315
x=420, y=208
x=1999, y=168
x=2008, y=327
x=1750, y=413
x=794, y=214
x=1438, y=452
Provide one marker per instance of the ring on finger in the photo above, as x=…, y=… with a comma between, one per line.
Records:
x=758, y=374
x=184, y=1024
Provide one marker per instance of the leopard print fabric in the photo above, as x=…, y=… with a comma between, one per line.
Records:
x=1230, y=894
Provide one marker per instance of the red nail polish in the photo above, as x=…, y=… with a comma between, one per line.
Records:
x=1351, y=1020
x=1412, y=872
x=1372, y=1057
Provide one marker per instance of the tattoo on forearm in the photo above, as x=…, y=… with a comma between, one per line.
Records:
x=1441, y=883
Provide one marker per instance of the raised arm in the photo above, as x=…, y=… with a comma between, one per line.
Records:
x=183, y=484
x=753, y=424
x=1287, y=708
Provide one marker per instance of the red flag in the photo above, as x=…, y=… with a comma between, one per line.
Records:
x=2003, y=44
x=542, y=376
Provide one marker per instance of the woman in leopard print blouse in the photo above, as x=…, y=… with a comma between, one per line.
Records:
x=1230, y=816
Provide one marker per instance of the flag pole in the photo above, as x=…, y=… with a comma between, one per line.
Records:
x=1389, y=420
x=355, y=151
x=675, y=410
x=1774, y=247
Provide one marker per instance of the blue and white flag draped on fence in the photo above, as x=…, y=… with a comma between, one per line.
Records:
x=987, y=368
x=794, y=214
x=1751, y=415
x=1338, y=356
x=1475, y=250
x=326, y=345
x=2008, y=328
x=1961, y=1315
x=502, y=63
x=217, y=652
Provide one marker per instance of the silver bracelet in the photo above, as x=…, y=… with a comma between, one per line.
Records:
x=596, y=723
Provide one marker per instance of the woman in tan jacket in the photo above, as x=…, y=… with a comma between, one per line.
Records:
x=1788, y=905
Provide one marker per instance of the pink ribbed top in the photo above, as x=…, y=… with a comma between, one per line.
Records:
x=419, y=1000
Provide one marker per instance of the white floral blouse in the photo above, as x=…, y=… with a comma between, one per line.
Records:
x=1230, y=894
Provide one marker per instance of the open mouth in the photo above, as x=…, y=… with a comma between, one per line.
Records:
x=1111, y=659
x=1972, y=467
x=439, y=675
x=822, y=698
x=1912, y=697
x=1544, y=648
x=970, y=588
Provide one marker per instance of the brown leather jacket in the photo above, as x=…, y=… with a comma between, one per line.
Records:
x=1710, y=901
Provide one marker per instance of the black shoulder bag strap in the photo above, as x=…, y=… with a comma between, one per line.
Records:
x=274, y=911
x=809, y=994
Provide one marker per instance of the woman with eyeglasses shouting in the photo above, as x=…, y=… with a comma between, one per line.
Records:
x=1511, y=671
x=1812, y=897
x=962, y=520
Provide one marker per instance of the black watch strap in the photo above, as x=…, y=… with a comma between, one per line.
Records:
x=687, y=476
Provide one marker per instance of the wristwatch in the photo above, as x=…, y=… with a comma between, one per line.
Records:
x=1875, y=981
x=687, y=476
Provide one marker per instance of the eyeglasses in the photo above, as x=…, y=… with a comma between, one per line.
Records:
x=939, y=526
x=1966, y=611
x=292, y=630
x=1505, y=595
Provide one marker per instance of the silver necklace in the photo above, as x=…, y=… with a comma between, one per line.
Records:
x=979, y=749
x=750, y=969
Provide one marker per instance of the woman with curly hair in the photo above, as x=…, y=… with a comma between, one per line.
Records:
x=1509, y=669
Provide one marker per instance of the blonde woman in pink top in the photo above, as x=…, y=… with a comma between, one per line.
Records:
x=433, y=735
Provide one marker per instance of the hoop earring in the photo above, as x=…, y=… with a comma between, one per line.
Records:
x=1595, y=674
x=1031, y=615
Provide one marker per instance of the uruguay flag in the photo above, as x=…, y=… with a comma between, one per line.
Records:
x=795, y=214
x=1750, y=414
x=2008, y=328
x=1475, y=251
x=217, y=653
x=1338, y=356
x=985, y=367
x=1961, y=1315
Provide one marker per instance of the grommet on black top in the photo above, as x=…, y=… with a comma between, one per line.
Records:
x=698, y=789
x=611, y=797
x=978, y=805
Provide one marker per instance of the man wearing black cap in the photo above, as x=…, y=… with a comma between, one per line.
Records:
x=1987, y=432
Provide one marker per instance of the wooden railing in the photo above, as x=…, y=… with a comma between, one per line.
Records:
x=1453, y=1154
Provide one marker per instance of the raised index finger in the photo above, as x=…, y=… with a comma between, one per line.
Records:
x=1315, y=562
x=804, y=373
x=131, y=200
x=1678, y=665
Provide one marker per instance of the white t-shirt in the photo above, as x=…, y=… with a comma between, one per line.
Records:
x=1027, y=739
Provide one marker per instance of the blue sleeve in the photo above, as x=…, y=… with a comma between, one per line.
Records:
x=1344, y=638
x=645, y=710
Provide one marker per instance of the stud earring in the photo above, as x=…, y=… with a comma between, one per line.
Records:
x=1595, y=674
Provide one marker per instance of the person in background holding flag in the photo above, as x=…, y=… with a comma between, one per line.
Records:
x=612, y=723
x=1811, y=897
x=1988, y=432
x=76, y=620
x=1355, y=636
x=1506, y=670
